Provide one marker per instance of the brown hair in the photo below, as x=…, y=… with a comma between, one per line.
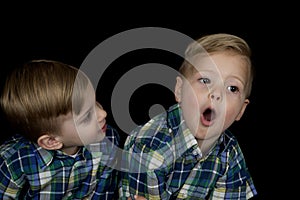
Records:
x=218, y=43
x=37, y=93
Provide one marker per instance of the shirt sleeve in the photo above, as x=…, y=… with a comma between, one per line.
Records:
x=236, y=183
x=8, y=189
x=143, y=172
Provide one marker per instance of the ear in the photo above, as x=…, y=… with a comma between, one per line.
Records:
x=178, y=89
x=49, y=142
x=246, y=102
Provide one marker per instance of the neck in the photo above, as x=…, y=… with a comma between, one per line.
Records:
x=206, y=145
x=70, y=150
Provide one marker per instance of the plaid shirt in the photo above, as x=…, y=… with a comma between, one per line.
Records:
x=165, y=162
x=28, y=171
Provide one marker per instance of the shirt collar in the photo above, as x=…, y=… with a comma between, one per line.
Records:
x=183, y=138
x=45, y=157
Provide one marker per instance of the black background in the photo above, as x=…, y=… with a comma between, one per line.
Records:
x=67, y=34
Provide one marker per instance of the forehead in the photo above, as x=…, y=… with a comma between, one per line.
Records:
x=83, y=98
x=89, y=96
x=221, y=63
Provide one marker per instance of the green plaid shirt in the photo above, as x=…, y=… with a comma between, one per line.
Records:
x=164, y=161
x=29, y=172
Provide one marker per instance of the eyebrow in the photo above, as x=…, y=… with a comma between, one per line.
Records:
x=240, y=79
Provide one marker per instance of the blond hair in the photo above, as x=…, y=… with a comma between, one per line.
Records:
x=219, y=42
x=35, y=94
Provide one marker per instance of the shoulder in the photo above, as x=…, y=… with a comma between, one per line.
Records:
x=148, y=145
x=231, y=149
x=18, y=154
x=17, y=145
x=231, y=142
x=154, y=134
x=236, y=173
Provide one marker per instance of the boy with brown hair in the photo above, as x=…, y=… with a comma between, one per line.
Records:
x=188, y=151
x=64, y=149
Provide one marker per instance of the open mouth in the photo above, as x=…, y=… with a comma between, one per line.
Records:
x=208, y=116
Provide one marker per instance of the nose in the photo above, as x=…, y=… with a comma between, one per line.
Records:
x=100, y=112
x=215, y=96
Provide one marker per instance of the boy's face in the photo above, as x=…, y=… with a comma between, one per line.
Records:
x=214, y=96
x=88, y=126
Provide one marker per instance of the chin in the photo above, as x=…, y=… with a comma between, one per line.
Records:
x=200, y=137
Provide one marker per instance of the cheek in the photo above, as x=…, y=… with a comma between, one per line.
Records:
x=231, y=114
x=88, y=133
x=69, y=129
x=189, y=105
x=72, y=134
x=190, y=100
x=92, y=128
x=190, y=108
x=189, y=95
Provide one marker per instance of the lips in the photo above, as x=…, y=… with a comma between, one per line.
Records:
x=208, y=117
x=104, y=128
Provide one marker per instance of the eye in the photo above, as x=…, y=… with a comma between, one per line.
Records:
x=87, y=118
x=204, y=80
x=233, y=89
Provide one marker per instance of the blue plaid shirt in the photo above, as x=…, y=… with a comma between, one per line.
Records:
x=28, y=171
x=164, y=161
